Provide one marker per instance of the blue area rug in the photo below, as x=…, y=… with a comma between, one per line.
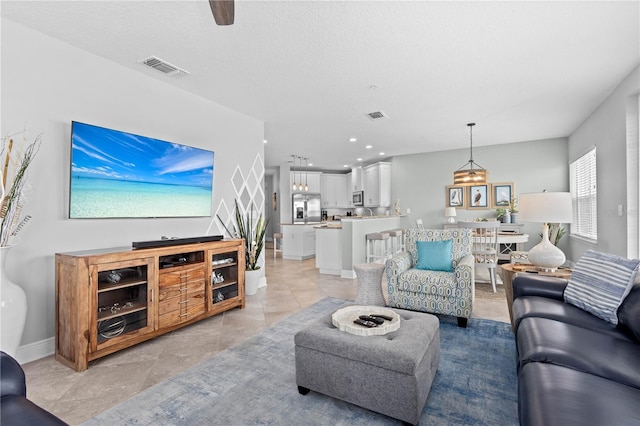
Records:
x=254, y=383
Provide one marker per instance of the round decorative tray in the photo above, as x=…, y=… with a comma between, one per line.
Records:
x=343, y=320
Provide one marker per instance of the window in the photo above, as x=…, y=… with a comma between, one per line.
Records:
x=584, y=195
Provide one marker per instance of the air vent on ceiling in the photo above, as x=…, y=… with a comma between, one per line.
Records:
x=163, y=66
x=376, y=115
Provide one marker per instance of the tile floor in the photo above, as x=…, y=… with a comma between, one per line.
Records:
x=292, y=286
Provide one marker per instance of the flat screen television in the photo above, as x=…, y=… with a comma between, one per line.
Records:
x=115, y=174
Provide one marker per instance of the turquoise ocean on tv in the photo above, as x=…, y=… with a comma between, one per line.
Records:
x=102, y=198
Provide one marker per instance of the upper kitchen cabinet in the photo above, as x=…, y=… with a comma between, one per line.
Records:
x=312, y=179
x=377, y=185
x=333, y=188
x=356, y=179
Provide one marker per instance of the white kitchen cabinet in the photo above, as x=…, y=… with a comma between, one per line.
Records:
x=298, y=242
x=329, y=250
x=356, y=179
x=377, y=185
x=333, y=188
x=312, y=179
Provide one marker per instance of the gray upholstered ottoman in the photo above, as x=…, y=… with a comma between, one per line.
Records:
x=389, y=374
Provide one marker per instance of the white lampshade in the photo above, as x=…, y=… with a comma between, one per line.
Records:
x=450, y=213
x=546, y=207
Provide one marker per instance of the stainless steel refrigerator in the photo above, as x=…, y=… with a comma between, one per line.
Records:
x=306, y=208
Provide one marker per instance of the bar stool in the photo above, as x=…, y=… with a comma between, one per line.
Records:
x=396, y=243
x=377, y=249
x=276, y=236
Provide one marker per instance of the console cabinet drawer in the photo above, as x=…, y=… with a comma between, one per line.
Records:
x=181, y=274
x=174, y=297
x=182, y=315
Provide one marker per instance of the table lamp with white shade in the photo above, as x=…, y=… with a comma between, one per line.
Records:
x=546, y=207
x=450, y=214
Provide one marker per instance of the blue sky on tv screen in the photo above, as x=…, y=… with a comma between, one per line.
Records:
x=110, y=154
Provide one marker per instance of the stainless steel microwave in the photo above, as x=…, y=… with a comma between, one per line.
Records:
x=358, y=198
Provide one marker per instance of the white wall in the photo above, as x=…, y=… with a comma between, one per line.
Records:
x=605, y=129
x=45, y=85
x=419, y=180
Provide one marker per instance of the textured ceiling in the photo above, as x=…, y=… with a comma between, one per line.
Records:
x=311, y=70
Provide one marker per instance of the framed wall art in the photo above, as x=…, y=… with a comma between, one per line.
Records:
x=479, y=197
x=456, y=197
x=502, y=194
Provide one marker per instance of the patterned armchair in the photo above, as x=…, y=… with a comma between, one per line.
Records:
x=437, y=292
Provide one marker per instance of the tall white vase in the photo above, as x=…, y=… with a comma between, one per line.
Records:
x=13, y=309
x=251, y=281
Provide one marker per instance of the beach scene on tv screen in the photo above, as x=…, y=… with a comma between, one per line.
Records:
x=121, y=175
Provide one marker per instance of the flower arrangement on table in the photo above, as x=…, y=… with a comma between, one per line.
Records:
x=14, y=187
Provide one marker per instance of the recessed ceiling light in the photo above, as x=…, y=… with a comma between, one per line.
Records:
x=264, y=141
x=381, y=153
x=369, y=146
x=359, y=159
x=352, y=139
x=310, y=164
x=345, y=165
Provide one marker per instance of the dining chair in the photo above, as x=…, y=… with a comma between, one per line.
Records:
x=485, y=246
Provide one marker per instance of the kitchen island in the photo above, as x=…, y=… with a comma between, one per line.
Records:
x=350, y=241
x=298, y=240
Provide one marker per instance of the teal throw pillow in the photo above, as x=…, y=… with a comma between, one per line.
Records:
x=435, y=255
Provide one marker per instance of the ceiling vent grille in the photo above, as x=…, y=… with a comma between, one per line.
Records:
x=163, y=66
x=376, y=115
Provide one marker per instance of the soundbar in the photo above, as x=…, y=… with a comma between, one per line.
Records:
x=175, y=241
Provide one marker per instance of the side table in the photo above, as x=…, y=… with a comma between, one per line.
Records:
x=369, y=284
x=510, y=270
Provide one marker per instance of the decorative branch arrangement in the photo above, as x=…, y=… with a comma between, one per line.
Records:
x=14, y=187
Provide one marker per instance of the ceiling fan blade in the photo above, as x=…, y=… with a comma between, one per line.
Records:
x=222, y=11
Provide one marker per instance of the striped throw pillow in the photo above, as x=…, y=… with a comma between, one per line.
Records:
x=600, y=282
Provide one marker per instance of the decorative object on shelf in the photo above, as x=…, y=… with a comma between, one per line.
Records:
x=475, y=174
x=219, y=297
x=114, y=277
x=218, y=278
x=450, y=214
x=13, y=309
x=112, y=327
x=546, y=207
x=396, y=207
x=513, y=208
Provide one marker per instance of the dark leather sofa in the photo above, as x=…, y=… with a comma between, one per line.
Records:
x=15, y=408
x=574, y=368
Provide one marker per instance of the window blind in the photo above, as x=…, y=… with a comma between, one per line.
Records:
x=584, y=195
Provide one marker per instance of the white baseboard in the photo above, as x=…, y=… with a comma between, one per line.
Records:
x=36, y=350
x=348, y=274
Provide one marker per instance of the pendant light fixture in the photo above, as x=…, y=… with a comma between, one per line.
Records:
x=306, y=186
x=474, y=174
x=294, y=186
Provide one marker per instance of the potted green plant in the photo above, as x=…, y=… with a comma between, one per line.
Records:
x=253, y=234
x=500, y=212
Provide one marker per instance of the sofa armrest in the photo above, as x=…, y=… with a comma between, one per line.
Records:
x=395, y=266
x=12, y=381
x=465, y=273
x=538, y=285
